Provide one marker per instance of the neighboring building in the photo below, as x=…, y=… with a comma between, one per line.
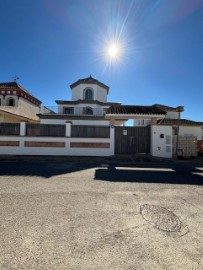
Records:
x=17, y=104
x=171, y=113
x=186, y=127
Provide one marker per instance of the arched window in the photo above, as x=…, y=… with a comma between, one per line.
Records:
x=88, y=111
x=88, y=94
x=11, y=102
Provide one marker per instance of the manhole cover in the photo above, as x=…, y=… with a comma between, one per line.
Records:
x=160, y=218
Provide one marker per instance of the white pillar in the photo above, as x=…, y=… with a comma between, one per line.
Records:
x=68, y=128
x=23, y=128
x=112, y=139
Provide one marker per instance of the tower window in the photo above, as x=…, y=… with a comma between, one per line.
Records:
x=88, y=94
x=11, y=102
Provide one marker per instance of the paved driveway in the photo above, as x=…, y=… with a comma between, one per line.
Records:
x=63, y=215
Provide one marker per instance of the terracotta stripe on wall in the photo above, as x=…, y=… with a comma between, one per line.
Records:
x=9, y=143
x=89, y=145
x=44, y=144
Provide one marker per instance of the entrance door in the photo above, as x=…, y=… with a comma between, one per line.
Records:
x=132, y=140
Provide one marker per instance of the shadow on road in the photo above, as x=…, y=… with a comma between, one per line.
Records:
x=159, y=174
x=41, y=169
x=174, y=173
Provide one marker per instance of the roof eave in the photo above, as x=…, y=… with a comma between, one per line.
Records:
x=133, y=116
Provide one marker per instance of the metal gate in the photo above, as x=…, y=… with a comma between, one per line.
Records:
x=132, y=140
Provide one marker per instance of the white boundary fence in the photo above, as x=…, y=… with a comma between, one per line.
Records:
x=60, y=146
x=161, y=142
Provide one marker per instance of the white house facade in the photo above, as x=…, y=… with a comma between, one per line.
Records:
x=87, y=107
x=90, y=125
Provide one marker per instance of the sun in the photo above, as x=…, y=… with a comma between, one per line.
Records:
x=113, y=51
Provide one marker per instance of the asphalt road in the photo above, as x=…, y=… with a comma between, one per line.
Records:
x=75, y=215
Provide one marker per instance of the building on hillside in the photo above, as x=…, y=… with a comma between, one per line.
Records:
x=17, y=104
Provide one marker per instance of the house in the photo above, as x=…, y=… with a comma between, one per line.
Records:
x=87, y=106
x=90, y=125
x=17, y=104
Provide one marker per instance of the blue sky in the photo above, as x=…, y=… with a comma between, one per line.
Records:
x=50, y=44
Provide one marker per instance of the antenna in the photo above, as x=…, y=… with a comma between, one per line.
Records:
x=16, y=78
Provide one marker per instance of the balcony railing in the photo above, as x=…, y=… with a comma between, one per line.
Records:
x=74, y=111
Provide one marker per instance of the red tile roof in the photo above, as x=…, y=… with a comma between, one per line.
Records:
x=15, y=85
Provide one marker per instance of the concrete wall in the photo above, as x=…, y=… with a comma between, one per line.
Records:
x=191, y=131
x=187, y=146
x=161, y=141
x=22, y=108
x=61, y=146
x=101, y=94
x=76, y=122
x=6, y=118
x=172, y=115
x=4, y=100
x=49, y=146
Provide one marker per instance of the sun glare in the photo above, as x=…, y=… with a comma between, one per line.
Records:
x=113, y=51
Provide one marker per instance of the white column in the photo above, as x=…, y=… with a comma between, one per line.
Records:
x=23, y=128
x=112, y=139
x=68, y=128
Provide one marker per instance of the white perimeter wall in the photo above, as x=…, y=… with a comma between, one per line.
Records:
x=161, y=147
x=76, y=122
x=58, y=151
x=188, y=131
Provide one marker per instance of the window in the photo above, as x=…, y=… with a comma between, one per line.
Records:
x=141, y=122
x=88, y=94
x=11, y=102
x=69, y=110
x=88, y=111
